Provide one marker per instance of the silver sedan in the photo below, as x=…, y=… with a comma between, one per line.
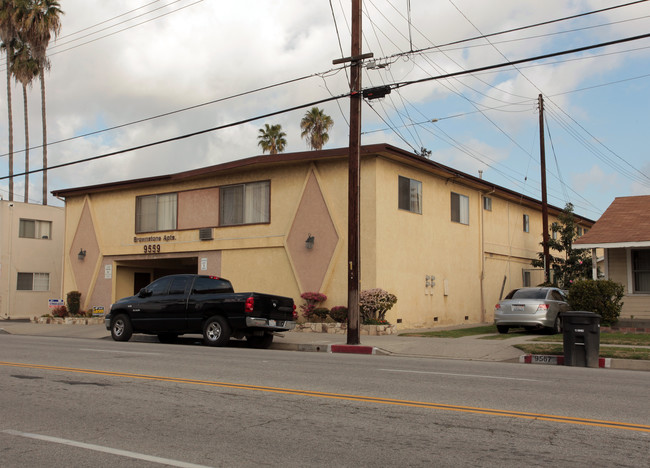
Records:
x=531, y=308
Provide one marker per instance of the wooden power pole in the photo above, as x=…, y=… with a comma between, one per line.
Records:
x=542, y=162
x=354, y=178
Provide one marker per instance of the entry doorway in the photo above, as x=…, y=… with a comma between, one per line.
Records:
x=140, y=280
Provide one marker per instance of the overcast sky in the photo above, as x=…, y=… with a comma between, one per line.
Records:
x=119, y=62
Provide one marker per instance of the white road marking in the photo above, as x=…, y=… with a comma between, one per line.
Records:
x=99, y=448
x=114, y=351
x=459, y=375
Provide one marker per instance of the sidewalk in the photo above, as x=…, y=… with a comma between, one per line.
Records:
x=471, y=348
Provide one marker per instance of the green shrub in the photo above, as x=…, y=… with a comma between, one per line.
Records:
x=73, y=301
x=600, y=296
x=339, y=314
x=321, y=312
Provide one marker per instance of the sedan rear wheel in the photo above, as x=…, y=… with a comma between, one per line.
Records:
x=503, y=329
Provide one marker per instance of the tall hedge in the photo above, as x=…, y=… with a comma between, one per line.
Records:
x=600, y=296
x=73, y=301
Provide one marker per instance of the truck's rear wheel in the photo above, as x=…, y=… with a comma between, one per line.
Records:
x=216, y=331
x=259, y=341
x=121, y=328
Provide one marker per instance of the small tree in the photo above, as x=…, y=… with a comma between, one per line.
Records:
x=374, y=303
x=312, y=300
x=73, y=301
x=569, y=265
x=600, y=296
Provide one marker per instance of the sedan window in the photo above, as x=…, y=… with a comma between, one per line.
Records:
x=528, y=294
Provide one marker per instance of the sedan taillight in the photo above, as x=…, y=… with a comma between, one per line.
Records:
x=497, y=307
x=295, y=314
x=542, y=307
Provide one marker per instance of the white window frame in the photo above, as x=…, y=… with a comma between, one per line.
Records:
x=414, y=200
x=632, y=286
x=42, y=229
x=39, y=281
x=254, y=200
x=462, y=217
x=162, y=214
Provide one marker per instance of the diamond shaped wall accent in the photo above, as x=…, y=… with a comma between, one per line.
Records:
x=312, y=218
x=84, y=238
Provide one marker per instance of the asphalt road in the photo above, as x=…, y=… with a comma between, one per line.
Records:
x=78, y=402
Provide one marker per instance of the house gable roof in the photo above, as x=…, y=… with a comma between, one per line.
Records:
x=626, y=223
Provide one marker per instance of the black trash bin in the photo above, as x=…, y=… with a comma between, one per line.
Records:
x=581, y=338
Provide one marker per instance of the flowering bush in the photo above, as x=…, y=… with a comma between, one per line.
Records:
x=374, y=303
x=60, y=311
x=312, y=299
x=339, y=314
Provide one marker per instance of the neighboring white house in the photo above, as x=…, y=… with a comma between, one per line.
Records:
x=31, y=258
x=624, y=232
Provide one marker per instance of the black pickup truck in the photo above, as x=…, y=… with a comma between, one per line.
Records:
x=187, y=304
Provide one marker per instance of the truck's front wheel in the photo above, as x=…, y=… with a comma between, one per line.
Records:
x=216, y=331
x=121, y=329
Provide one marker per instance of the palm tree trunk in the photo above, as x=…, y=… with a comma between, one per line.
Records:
x=42, y=75
x=11, y=129
x=26, y=145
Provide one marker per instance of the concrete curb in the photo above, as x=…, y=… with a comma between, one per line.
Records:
x=331, y=348
x=606, y=363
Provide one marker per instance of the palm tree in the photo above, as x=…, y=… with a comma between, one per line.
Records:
x=272, y=139
x=40, y=19
x=315, y=125
x=7, y=36
x=24, y=68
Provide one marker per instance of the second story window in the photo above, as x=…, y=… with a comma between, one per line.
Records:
x=487, y=203
x=35, y=229
x=155, y=212
x=459, y=208
x=526, y=223
x=245, y=204
x=410, y=195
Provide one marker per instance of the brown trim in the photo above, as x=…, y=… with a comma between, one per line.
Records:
x=381, y=150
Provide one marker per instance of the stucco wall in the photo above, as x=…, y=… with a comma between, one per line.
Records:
x=23, y=255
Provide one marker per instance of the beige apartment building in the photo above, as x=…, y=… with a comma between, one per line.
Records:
x=31, y=256
x=446, y=243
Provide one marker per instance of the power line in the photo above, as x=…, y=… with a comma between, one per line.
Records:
x=180, y=137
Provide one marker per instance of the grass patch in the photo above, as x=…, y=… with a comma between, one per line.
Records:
x=605, y=351
x=458, y=333
x=627, y=339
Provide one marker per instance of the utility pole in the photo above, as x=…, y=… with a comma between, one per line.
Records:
x=354, y=178
x=542, y=162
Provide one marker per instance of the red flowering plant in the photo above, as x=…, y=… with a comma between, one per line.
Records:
x=339, y=314
x=310, y=307
x=373, y=304
x=60, y=311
